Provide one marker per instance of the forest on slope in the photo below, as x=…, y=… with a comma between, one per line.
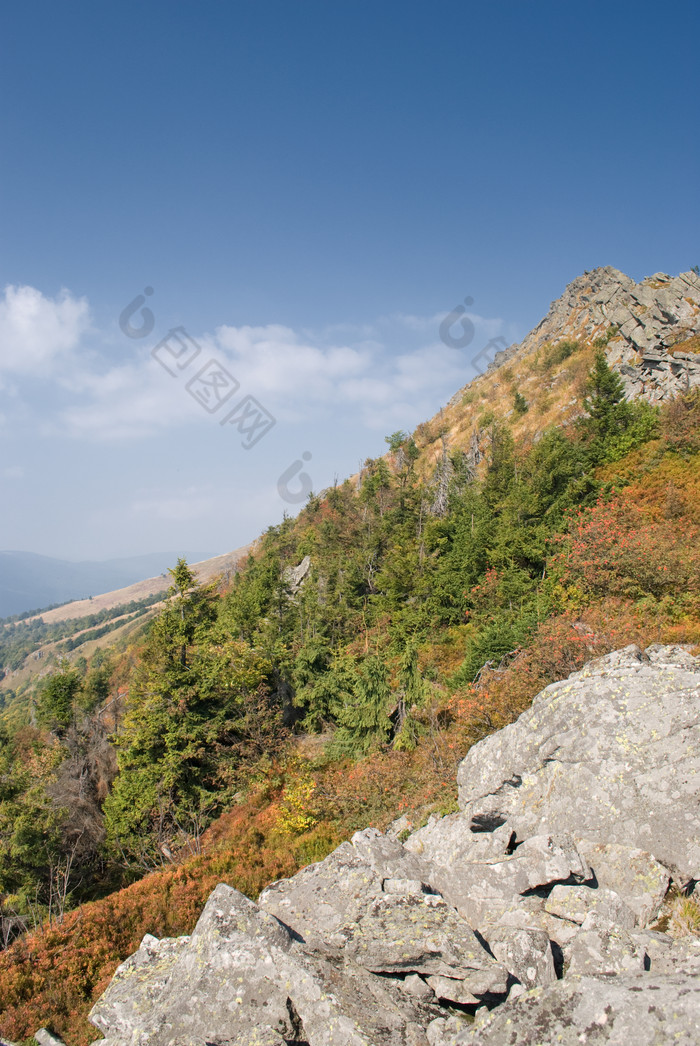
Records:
x=343, y=674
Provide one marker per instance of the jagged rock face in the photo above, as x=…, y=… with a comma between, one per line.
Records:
x=294, y=577
x=654, y=318
x=636, y=1009
x=611, y=755
x=529, y=909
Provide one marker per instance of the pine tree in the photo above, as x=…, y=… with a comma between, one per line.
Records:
x=364, y=721
x=520, y=404
x=604, y=396
x=54, y=708
x=613, y=426
x=411, y=698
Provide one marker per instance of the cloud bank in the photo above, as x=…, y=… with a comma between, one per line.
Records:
x=37, y=332
x=392, y=372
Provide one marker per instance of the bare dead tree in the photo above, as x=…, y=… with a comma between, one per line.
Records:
x=443, y=475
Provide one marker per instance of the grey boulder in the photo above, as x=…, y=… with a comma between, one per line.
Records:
x=611, y=754
x=586, y=1011
x=575, y=903
x=242, y=978
x=321, y=900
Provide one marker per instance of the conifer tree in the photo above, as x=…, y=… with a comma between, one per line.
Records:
x=364, y=722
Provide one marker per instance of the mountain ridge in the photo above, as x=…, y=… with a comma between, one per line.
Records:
x=343, y=673
x=30, y=580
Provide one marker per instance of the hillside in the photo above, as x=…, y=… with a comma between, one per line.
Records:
x=531, y=915
x=547, y=515
x=29, y=581
x=30, y=646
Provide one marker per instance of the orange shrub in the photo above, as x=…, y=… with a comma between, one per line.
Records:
x=613, y=548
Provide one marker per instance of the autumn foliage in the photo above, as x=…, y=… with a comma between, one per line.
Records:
x=419, y=631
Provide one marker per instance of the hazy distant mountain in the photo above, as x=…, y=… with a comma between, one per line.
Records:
x=29, y=581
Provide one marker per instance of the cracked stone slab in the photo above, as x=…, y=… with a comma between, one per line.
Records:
x=137, y=984
x=480, y=871
x=525, y=952
x=577, y=902
x=668, y=955
x=320, y=900
x=634, y=875
x=613, y=750
x=586, y=1011
x=422, y=935
x=604, y=952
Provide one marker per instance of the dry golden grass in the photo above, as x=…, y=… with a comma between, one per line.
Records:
x=679, y=915
x=552, y=394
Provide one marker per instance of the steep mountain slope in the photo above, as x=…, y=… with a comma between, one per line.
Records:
x=538, y=521
x=650, y=333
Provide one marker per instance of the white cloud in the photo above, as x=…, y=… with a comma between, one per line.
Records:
x=12, y=472
x=275, y=360
x=127, y=402
x=396, y=369
x=37, y=331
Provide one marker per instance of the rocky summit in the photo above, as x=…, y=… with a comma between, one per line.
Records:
x=536, y=914
x=650, y=328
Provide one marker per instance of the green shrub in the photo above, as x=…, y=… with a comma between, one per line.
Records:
x=552, y=355
x=602, y=341
x=520, y=404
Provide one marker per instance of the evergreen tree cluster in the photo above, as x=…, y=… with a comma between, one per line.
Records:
x=220, y=682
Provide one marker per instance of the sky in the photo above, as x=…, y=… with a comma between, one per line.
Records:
x=231, y=233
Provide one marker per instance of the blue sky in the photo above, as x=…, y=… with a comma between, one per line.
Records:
x=308, y=187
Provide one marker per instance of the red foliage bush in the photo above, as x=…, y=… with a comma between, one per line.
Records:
x=613, y=548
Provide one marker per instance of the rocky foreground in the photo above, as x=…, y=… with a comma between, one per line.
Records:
x=526, y=918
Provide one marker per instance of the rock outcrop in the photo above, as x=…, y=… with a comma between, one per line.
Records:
x=655, y=347
x=528, y=917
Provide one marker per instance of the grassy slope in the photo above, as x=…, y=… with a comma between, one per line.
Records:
x=53, y=975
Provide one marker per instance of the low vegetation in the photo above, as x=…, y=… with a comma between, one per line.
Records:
x=247, y=733
x=20, y=636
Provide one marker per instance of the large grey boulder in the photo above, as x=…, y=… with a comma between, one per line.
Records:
x=576, y=903
x=136, y=987
x=525, y=952
x=323, y=899
x=240, y=976
x=480, y=873
x=586, y=1011
x=422, y=935
x=610, y=755
x=600, y=952
x=45, y=1038
x=372, y=898
x=633, y=874
x=573, y=823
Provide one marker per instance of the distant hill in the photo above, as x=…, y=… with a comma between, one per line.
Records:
x=78, y=617
x=29, y=581
x=206, y=570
